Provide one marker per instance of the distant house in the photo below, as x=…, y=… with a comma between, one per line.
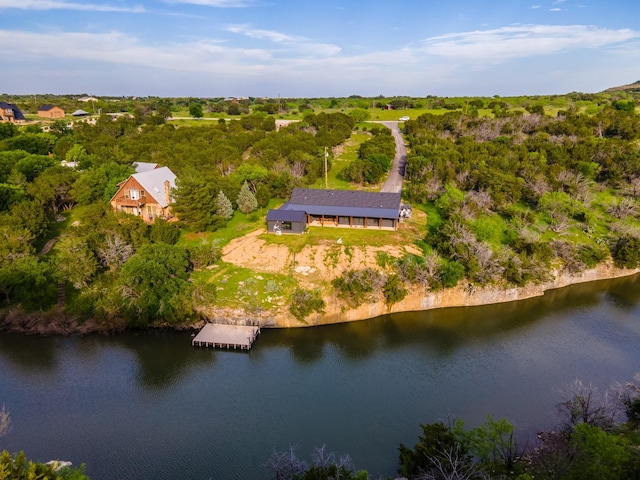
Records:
x=146, y=194
x=80, y=113
x=50, y=111
x=10, y=113
x=335, y=208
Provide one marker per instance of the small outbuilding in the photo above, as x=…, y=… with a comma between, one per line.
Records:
x=286, y=221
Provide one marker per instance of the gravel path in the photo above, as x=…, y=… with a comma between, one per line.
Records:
x=396, y=175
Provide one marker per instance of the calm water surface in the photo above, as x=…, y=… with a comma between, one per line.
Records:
x=148, y=405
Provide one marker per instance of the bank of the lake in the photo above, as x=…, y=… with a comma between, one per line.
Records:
x=58, y=322
x=148, y=405
x=419, y=299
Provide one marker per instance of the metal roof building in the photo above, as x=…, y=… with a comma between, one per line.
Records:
x=342, y=208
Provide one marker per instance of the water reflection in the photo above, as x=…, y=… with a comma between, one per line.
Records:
x=443, y=332
x=30, y=354
x=148, y=405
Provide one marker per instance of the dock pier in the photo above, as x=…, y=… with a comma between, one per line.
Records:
x=226, y=336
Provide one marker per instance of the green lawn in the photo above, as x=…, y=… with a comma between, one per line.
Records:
x=348, y=153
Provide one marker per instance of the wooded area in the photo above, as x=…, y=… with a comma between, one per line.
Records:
x=511, y=193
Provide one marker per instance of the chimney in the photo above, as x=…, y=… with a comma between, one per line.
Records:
x=167, y=192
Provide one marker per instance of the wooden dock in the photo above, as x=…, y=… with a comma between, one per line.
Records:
x=226, y=336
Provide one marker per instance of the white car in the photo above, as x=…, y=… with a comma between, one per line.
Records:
x=404, y=119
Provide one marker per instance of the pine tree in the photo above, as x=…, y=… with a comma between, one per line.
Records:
x=224, y=206
x=247, y=202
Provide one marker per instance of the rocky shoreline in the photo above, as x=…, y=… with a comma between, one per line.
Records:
x=461, y=296
x=57, y=322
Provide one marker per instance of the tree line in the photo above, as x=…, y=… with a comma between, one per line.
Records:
x=114, y=266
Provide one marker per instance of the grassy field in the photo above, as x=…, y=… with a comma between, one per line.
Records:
x=346, y=154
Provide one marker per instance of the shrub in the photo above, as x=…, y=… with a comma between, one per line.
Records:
x=163, y=231
x=626, y=252
x=304, y=302
x=451, y=272
x=203, y=254
x=592, y=255
x=394, y=290
x=358, y=286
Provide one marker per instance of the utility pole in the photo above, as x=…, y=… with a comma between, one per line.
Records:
x=326, y=178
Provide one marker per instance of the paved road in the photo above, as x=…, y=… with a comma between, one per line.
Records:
x=396, y=175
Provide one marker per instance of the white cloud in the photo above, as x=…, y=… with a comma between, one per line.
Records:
x=62, y=5
x=215, y=3
x=119, y=48
x=294, y=43
x=521, y=41
x=268, y=61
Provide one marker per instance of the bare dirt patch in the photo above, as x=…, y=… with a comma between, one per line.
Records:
x=314, y=263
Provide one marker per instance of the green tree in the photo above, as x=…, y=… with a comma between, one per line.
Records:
x=626, y=252
x=155, y=285
x=195, y=203
x=360, y=115
x=53, y=188
x=29, y=282
x=438, y=449
x=246, y=201
x=195, y=110
x=224, y=206
x=18, y=467
x=76, y=262
x=494, y=443
x=599, y=455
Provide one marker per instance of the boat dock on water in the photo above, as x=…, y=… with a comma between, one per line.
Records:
x=226, y=336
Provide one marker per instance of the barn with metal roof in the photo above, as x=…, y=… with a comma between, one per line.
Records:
x=337, y=208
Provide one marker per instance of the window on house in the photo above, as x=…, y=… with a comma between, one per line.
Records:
x=141, y=193
x=133, y=194
x=285, y=225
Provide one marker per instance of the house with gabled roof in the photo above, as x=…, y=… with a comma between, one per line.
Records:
x=50, y=111
x=10, y=113
x=146, y=194
x=335, y=208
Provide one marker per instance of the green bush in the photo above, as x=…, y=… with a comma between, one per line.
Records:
x=393, y=289
x=451, y=272
x=358, y=286
x=626, y=252
x=304, y=302
x=203, y=254
x=163, y=231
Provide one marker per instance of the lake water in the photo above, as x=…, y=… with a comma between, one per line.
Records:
x=148, y=405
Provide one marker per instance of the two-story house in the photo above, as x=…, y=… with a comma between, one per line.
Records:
x=10, y=113
x=146, y=194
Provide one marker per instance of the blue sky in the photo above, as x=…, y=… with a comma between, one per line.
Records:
x=312, y=48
